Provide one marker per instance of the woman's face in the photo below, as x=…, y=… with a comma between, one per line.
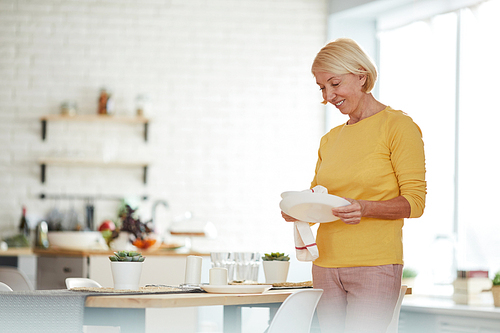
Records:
x=342, y=91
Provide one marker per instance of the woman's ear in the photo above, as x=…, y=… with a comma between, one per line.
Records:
x=362, y=79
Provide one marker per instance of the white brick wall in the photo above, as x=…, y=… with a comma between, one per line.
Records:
x=236, y=119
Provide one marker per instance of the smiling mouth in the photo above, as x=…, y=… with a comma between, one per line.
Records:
x=340, y=103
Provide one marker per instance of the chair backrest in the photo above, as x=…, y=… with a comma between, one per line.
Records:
x=81, y=282
x=4, y=287
x=296, y=313
x=393, y=326
x=15, y=278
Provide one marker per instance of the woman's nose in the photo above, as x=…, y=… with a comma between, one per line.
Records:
x=330, y=95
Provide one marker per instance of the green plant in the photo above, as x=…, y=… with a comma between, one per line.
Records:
x=275, y=256
x=496, y=279
x=127, y=256
x=409, y=273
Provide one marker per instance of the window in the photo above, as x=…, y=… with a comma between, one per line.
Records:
x=443, y=73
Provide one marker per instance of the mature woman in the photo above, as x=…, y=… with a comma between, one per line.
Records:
x=375, y=161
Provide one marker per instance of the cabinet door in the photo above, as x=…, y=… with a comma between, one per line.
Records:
x=455, y=324
x=53, y=271
x=416, y=322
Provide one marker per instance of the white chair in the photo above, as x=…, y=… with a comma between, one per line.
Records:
x=296, y=312
x=393, y=326
x=4, y=287
x=81, y=282
x=15, y=278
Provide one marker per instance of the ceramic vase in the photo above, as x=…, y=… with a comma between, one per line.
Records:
x=276, y=271
x=496, y=295
x=126, y=275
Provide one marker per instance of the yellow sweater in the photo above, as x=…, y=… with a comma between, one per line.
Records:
x=378, y=158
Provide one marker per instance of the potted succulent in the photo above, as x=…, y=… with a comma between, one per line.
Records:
x=276, y=266
x=126, y=268
x=495, y=289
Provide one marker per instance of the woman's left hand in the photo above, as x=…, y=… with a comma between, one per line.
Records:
x=350, y=214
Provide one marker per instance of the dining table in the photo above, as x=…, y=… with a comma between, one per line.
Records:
x=67, y=311
x=129, y=311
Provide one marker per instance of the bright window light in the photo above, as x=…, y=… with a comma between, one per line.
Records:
x=419, y=75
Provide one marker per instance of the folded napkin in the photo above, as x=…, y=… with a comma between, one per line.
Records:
x=305, y=243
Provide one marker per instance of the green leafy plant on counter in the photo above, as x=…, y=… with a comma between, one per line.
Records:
x=496, y=279
x=127, y=256
x=275, y=256
x=17, y=241
x=409, y=273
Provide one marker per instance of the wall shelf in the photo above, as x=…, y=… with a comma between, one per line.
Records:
x=44, y=162
x=95, y=118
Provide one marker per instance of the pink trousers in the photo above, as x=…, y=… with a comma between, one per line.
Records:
x=357, y=299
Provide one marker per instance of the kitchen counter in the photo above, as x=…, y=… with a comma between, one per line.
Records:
x=446, y=306
x=434, y=314
x=16, y=252
x=54, y=251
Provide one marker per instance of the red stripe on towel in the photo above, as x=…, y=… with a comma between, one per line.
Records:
x=305, y=247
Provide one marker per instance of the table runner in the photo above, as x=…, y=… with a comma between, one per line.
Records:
x=50, y=311
x=148, y=289
x=55, y=311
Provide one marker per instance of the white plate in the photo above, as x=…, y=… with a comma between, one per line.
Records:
x=311, y=207
x=233, y=289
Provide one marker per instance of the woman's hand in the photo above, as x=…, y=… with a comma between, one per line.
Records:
x=288, y=218
x=392, y=209
x=350, y=214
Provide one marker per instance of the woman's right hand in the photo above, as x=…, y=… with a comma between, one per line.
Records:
x=288, y=218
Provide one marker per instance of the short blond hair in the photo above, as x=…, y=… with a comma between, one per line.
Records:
x=344, y=56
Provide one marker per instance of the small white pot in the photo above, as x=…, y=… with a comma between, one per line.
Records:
x=276, y=271
x=126, y=275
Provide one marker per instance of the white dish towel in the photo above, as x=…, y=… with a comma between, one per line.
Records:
x=305, y=243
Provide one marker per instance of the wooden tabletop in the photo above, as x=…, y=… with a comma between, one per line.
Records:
x=189, y=299
x=186, y=300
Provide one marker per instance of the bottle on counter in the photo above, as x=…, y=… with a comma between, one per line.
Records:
x=24, y=228
x=42, y=230
x=105, y=103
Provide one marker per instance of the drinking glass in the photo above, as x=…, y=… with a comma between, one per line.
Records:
x=247, y=266
x=225, y=260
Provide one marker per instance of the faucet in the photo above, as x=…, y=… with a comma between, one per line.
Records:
x=153, y=210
